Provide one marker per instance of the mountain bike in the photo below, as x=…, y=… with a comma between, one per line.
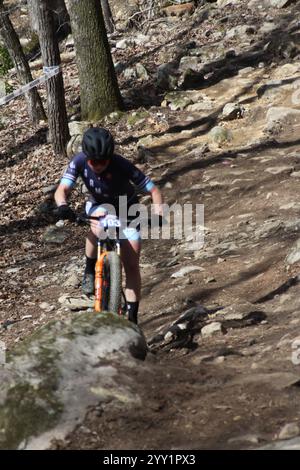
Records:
x=109, y=295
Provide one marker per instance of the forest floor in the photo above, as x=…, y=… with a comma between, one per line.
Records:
x=237, y=388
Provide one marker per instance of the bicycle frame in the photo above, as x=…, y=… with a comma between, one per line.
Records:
x=108, y=270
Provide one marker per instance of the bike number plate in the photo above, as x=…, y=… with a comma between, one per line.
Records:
x=107, y=223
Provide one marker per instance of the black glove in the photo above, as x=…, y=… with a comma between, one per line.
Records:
x=64, y=212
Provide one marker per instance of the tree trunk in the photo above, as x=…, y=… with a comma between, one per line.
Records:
x=57, y=114
x=100, y=93
x=108, y=18
x=34, y=103
x=60, y=16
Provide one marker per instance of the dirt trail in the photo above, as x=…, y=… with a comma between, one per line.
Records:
x=238, y=387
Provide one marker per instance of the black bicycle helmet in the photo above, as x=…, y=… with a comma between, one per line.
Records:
x=98, y=144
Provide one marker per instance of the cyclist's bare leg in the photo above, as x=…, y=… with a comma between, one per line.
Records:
x=91, y=255
x=91, y=239
x=91, y=245
x=130, y=254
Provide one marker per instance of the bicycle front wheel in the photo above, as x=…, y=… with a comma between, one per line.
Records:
x=108, y=295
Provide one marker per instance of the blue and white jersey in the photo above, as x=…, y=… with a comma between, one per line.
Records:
x=120, y=178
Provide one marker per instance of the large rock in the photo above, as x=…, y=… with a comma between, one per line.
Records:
x=191, y=79
x=167, y=76
x=240, y=31
x=232, y=111
x=220, y=135
x=189, y=63
x=294, y=256
x=177, y=100
x=281, y=114
x=74, y=145
x=123, y=10
x=78, y=127
x=224, y=3
x=278, y=3
x=212, y=329
x=186, y=270
x=289, y=431
x=53, y=377
x=81, y=302
x=290, y=444
x=267, y=27
x=240, y=314
x=269, y=3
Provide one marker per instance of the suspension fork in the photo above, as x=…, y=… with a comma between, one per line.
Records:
x=101, y=253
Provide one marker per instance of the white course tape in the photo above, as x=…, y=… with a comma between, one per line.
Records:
x=49, y=72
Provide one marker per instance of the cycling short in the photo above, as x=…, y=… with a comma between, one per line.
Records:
x=127, y=233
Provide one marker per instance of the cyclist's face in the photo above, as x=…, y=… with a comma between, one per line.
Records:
x=98, y=165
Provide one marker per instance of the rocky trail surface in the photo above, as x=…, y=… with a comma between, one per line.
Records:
x=222, y=322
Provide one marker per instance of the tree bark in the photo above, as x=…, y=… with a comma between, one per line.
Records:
x=100, y=94
x=34, y=103
x=108, y=18
x=60, y=16
x=57, y=114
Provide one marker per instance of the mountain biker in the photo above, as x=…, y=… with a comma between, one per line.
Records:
x=107, y=176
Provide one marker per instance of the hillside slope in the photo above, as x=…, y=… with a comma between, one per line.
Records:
x=235, y=384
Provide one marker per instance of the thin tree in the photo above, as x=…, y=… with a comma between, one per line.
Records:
x=12, y=43
x=60, y=16
x=57, y=114
x=108, y=18
x=99, y=90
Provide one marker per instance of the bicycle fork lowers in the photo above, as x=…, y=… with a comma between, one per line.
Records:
x=108, y=276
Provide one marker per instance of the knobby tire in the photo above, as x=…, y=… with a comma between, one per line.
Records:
x=112, y=283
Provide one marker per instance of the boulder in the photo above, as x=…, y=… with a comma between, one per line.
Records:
x=294, y=256
x=74, y=145
x=167, y=76
x=141, y=72
x=239, y=31
x=212, y=329
x=51, y=380
x=78, y=127
x=269, y=3
x=281, y=113
x=124, y=43
x=79, y=303
x=201, y=106
x=289, y=431
x=232, y=111
x=146, y=141
x=186, y=270
x=240, y=314
x=289, y=444
x=267, y=27
x=220, y=135
x=191, y=79
x=278, y=3
x=177, y=100
x=130, y=73
x=224, y=3
x=189, y=62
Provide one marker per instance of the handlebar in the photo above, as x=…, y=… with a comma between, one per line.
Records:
x=84, y=218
